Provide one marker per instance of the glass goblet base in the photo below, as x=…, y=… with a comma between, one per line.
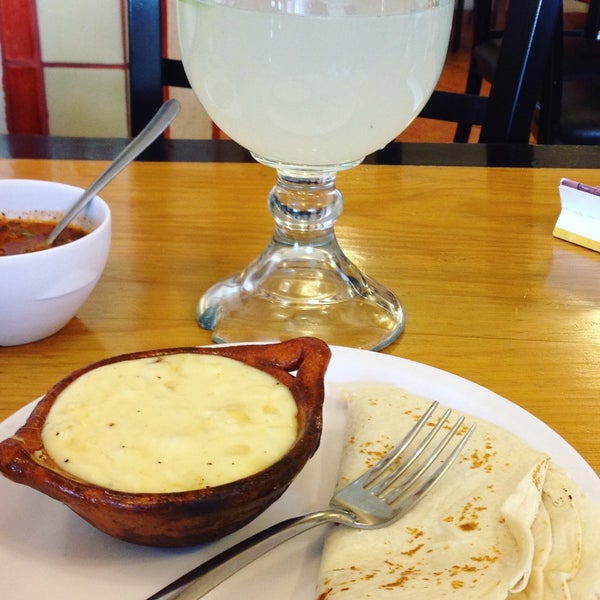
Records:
x=302, y=283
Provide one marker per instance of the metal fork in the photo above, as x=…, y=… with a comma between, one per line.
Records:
x=380, y=496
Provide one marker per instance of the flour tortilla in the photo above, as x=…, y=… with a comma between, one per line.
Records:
x=585, y=585
x=542, y=533
x=570, y=543
x=483, y=532
x=573, y=567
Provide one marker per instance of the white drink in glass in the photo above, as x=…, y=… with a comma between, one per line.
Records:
x=313, y=89
x=310, y=87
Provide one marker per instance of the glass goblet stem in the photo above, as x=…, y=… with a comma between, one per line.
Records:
x=302, y=283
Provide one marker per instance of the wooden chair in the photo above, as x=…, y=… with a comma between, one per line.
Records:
x=521, y=51
x=575, y=116
x=504, y=116
x=149, y=71
x=459, y=11
x=567, y=109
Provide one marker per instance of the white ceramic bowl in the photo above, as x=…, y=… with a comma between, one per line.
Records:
x=40, y=292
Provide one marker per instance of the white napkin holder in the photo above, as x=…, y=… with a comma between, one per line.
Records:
x=579, y=219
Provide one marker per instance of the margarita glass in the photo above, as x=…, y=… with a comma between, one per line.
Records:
x=310, y=88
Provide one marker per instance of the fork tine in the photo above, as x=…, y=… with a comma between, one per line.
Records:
x=376, y=471
x=405, y=462
x=428, y=461
x=398, y=498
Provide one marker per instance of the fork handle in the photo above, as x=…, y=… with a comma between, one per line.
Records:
x=208, y=575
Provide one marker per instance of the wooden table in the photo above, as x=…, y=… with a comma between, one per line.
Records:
x=489, y=294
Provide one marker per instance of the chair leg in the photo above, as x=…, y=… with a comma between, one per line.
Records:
x=549, y=104
x=457, y=25
x=474, y=81
x=462, y=133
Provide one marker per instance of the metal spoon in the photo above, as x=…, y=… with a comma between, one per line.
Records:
x=161, y=120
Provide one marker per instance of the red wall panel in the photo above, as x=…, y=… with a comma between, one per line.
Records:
x=23, y=77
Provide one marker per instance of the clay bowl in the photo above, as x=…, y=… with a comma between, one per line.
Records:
x=189, y=517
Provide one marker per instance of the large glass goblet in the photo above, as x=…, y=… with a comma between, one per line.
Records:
x=310, y=87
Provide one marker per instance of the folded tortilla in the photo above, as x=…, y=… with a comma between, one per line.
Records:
x=487, y=530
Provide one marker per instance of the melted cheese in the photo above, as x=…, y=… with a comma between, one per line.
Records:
x=171, y=423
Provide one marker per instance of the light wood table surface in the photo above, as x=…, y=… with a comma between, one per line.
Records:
x=489, y=294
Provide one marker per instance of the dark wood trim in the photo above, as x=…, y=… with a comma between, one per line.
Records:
x=495, y=155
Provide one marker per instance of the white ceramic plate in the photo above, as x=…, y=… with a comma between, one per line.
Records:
x=48, y=552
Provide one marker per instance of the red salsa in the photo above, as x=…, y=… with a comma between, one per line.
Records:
x=19, y=236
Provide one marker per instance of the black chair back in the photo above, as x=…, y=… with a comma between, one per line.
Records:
x=567, y=109
x=507, y=113
x=592, y=22
x=149, y=71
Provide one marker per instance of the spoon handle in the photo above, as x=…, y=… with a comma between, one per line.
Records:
x=161, y=120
